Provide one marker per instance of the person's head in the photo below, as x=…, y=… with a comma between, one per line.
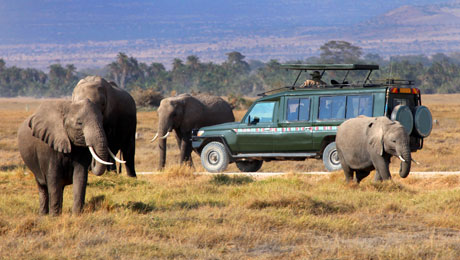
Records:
x=315, y=75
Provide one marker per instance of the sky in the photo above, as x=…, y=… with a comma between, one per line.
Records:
x=62, y=21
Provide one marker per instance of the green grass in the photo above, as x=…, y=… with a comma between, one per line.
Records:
x=174, y=216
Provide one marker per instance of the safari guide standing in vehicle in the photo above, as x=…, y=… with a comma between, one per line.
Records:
x=314, y=81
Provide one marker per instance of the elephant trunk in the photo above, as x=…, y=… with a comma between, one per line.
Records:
x=406, y=164
x=98, y=142
x=162, y=147
x=163, y=130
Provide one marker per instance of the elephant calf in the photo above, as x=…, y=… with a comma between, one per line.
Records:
x=367, y=143
x=56, y=144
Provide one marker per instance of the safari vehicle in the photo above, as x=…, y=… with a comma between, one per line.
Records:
x=297, y=122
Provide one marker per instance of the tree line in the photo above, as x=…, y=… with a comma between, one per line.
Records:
x=439, y=73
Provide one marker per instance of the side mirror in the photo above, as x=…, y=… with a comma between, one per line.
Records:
x=253, y=121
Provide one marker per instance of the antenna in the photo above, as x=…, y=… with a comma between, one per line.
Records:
x=391, y=68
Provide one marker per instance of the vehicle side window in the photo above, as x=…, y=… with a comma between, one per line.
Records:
x=263, y=111
x=332, y=107
x=298, y=109
x=359, y=105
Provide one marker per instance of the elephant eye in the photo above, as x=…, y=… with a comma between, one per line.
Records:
x=79, y=122
x=394, y=141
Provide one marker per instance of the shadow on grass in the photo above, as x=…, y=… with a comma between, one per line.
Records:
x=10, y=167
x=386, y=186
x=223, y=179
x=112, y=179
x=194, y=204
x=97, y=203
x=303, y=205
x=140, y=207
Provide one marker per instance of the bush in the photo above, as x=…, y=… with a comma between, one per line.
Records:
x=147, y=97
x=239, y=102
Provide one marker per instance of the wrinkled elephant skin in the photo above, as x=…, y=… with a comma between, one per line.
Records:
x=368, y=143
x=119, y=115
x=54, y=143
x=184, y=113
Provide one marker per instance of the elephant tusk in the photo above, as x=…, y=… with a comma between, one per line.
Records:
x=415, y=162
x=97, y=158
x=166, y=135
x=154, y=138
x=115, y=158
x=402, y=159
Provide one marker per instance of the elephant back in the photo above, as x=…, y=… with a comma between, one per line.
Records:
x=217, y=105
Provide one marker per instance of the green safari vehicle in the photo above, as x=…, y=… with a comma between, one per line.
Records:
x=299, y=122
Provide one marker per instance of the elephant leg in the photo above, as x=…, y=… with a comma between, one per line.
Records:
x=381, y=165
x=128, y=151
x=178, y=139
x=360, y=175
x=43, y=198
x=55, y=185
x=348, y=173
x=55, y=193
x=186, y=150
x=80, y=180
x=114, y=149
x=377, y=176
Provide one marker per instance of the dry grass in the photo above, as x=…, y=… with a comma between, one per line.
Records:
x=176, y=214
x=439, y=153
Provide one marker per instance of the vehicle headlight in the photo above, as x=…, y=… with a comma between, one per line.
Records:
x=200, y=133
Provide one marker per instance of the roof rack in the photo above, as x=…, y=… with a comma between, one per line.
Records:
x=347, y=67
x=329, y=67
x=273, y=90
x=367, y=83
x=399, y=82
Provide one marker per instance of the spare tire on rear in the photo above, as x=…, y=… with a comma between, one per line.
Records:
x=423, y=121
x=403, y=115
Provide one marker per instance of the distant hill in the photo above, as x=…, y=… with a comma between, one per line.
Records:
x=89, y=33
x=409, y=29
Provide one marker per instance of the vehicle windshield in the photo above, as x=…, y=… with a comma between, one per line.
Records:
x=263, y=111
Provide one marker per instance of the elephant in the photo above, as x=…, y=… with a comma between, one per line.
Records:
x=185, y=112
x=57, y=143
x=367, y=143
x=119, y=115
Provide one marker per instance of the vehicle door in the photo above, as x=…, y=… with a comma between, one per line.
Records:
x=255, y=132
x=331, y=111
x=295, y=126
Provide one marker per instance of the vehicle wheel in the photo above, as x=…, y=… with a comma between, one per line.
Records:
x=403, y=115
x=331, y=158
x=249, y=166
x=214, y=157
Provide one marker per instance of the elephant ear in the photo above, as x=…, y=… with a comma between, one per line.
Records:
x=47, y=124
x=375, y=134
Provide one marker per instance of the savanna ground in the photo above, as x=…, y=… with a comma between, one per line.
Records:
x=177, y=214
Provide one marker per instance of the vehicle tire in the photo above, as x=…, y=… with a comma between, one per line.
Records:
x=331, y=158
x=249, y=166
x=214, y=157
x=403, y=115
x=423, y=121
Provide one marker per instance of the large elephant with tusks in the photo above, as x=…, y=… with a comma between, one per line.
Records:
x=119, y=115
x=57, y=143
x=185, y=112
x=368, y=143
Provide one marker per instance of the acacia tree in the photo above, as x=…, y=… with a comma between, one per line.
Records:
x=340, y=52
x=124, y=69
x=61, y=79
x=2, y=65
